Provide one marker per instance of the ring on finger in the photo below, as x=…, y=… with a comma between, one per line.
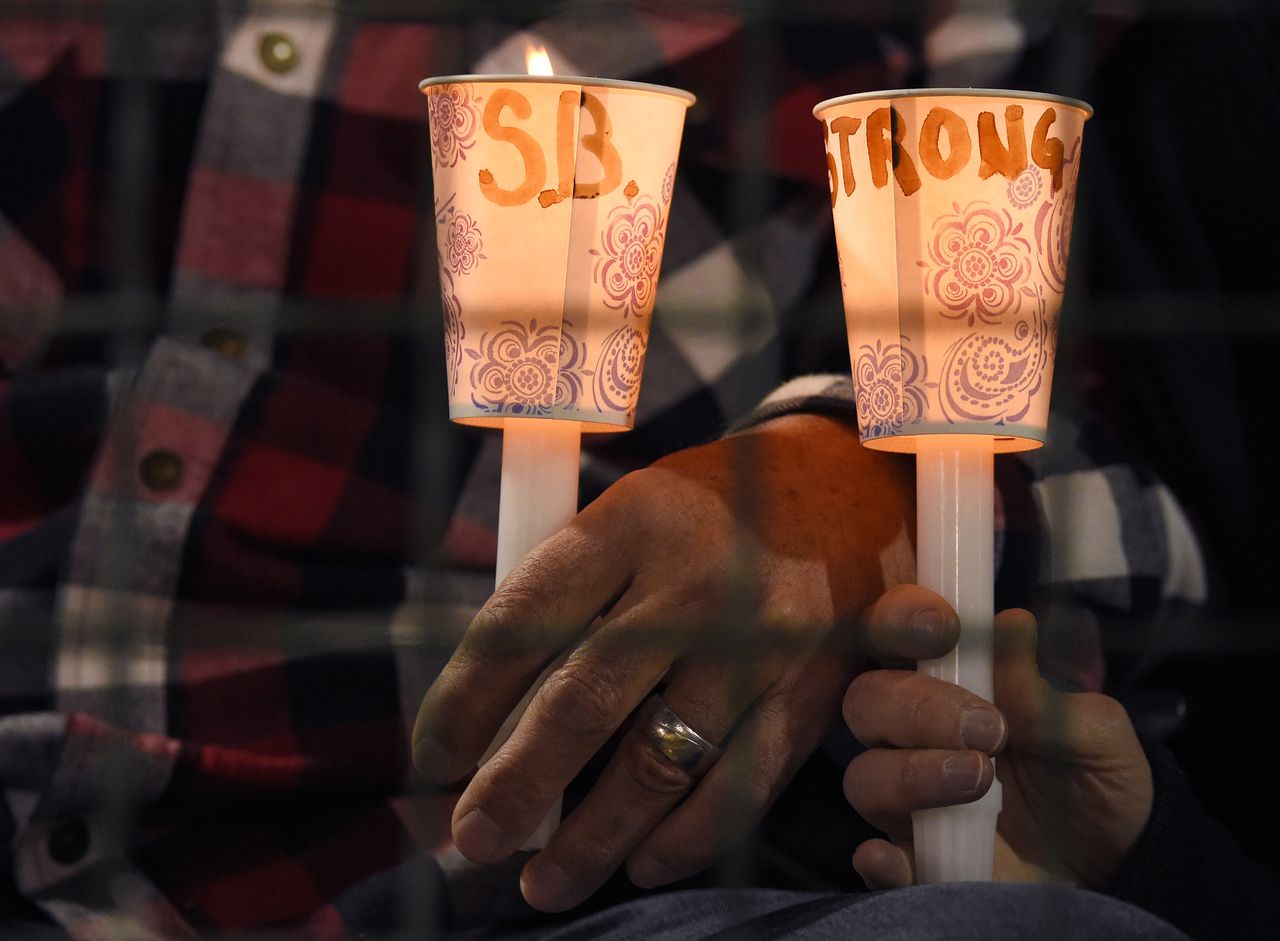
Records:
x=677, y=741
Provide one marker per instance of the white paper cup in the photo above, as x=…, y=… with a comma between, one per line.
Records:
x=552, y=196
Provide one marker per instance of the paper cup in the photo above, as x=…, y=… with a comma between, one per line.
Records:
x=552, y=196
x=953, y=220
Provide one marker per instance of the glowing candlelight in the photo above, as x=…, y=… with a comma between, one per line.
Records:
x=536, y=60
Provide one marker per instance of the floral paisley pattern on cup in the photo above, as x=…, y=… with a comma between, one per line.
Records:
x=461, y=242
x=455, y=331
x=668, y=184
x=891, y=390
x=1024, y=189
x=1053, y=225
x=452, y=117
x=573, y=356
x=987, y=378
x=515, y=370
x=618, y=370
x=979, y=263
x=629, y=256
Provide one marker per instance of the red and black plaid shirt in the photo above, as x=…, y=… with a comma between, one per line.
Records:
x=236, y=531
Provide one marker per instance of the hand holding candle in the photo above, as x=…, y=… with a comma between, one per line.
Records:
x=953, y=218
x=1084, y=789
x=552, y=198
x=640, y=598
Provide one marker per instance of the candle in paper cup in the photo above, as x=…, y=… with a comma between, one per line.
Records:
x=952, y=213
x=952, y=219
x=552, y=196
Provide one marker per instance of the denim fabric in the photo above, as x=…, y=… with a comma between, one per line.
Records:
x=954, y=912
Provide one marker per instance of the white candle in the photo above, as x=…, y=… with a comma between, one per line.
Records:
x=539, y=492
x=552, y=200
x=954, y=557
x=952, y=211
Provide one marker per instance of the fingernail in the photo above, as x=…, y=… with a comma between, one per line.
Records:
x=963, y=772
x=926, y=629
x=548, y=888
x=435, y=762
x=982, y=729
x=647, y=872
x=477, y=837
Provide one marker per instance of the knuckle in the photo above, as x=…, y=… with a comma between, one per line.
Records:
x=629, y=506
x=636, y=483
x=630, y=495
x=585, y=697
x=923, y=708
x=915, y=774
x=512, y=624
x=788, y=631
x=491, y=634
x=527, y=585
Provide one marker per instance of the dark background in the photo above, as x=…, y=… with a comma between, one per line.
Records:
x=1181, y=311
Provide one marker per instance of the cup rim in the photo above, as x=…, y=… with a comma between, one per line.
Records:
x=506, y=78
x=954, y=93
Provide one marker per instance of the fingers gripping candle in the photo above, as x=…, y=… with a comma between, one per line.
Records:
x=552, y=196
x=952, y=214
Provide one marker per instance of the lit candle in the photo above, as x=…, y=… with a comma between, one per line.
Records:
x=952, y=219
x=552, y=195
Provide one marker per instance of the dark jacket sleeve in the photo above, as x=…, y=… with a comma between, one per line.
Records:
x=1188, y=870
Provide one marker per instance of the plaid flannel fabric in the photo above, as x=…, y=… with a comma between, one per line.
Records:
x=210, y=618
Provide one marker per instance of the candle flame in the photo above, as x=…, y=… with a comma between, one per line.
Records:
x=536, y=60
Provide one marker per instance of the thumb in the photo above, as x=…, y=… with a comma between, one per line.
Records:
x=1044, y=720
x=1022, y=694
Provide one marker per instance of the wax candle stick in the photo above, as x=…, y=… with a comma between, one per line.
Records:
x=953, y=216
x=539, y=490
x=954, y=557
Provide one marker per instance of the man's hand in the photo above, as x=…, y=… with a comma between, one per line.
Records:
x=733, y=572
x=1077, y=785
